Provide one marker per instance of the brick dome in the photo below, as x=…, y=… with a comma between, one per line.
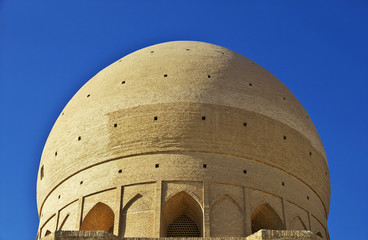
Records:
x=188, y=118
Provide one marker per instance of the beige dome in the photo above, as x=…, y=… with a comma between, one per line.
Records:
x=189, y=113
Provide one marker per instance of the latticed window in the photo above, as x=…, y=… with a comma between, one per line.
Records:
x=183, y=226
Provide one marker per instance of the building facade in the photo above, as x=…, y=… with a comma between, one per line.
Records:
x=183, y=139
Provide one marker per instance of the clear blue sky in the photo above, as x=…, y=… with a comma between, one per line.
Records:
x=49, y=49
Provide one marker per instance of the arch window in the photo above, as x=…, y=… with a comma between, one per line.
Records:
x=183, y=226
x=100, y=217
x=265, y=217
x=182, y=216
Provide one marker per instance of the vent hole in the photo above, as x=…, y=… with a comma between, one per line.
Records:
x=165, y=75
x=250, y=84
x=282, y=183
x=88, y=95
x=187, y=49
x=115, y=125
x=284, y=98
x=155, y=118
x=123, y=82
x=284, y=137
x=209, y=76
x=244, y=124
x=204, y=165
x=55, y=154
x=308, y=197
x=42, y=172
x=59, y=197
x=245, y=171
x=81, y=182
x=152, y=51
x=79, y=138
x=310, y=153
x=120, y=171
x=62, y=113
x=157, y=165
x=203, y=117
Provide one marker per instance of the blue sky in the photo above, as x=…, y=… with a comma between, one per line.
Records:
x=49, y=49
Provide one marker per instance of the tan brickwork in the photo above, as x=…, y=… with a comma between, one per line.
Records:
x=183, y=128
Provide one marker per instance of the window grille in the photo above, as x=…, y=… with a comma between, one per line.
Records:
x=183, y=226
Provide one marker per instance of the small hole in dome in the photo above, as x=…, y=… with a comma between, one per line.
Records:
x=284, y=137
x=115, y=125
x=152, y=51
x=326, y=172
x=282, y=183
x=204, y=165
x=88, y=95
x=284, y=98
x=310, y=153
x=308, y=197
x=55, y=153
x=250, y=84
x=123, y=82
x=203, y=117
x=59, y=197
x=155, y=118
x=209, y=76
x=120, y=60
x=81, y=182
x=62, y=113
x=222, y=52
x=244, y=124
x=157, y=165
x=120, y=171
x=79, y=138
x=187, y=49
x=245, y=171
x=165, y=75
x=42, y=172
x=307, y=117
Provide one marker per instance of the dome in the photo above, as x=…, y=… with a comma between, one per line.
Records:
x=187, y=116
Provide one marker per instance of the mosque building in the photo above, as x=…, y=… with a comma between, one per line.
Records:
x=183, y=139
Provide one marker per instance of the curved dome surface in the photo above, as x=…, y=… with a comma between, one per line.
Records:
x=184, y=97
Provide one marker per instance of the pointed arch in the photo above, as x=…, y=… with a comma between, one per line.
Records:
x=265, y=217
x=137, y=212
x=47, y=233
x=319, y=234
x=63, y=222
x=231, y=222
x=297, y=224
x=100, y=217
x=181, y=209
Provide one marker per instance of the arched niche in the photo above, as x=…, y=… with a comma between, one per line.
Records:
x=319, y=234
x=265, y=217
x=182, y=210
x=226, y=218
x=297, y=224
x=63, y=222
x=136, y=213
x=100, y=217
